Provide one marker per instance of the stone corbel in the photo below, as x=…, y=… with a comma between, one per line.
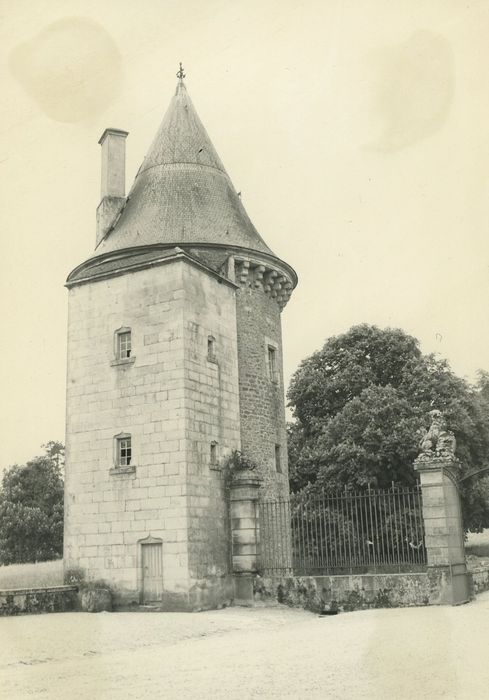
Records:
x=269, y=280
x=243, y=271
x=259, y=272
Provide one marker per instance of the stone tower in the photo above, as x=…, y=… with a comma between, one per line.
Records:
x=174, y=361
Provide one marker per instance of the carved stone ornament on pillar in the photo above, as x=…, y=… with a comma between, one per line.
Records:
x=437, y=442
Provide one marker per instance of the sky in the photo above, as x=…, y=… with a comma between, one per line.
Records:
x=356, y=130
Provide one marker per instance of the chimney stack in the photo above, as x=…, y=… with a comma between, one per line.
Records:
x=113, y=190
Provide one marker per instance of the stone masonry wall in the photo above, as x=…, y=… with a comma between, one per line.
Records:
x=212, y=416
x=262, y=408
x=38, y=600
x=479, y=579
x=442, y=517
x=108, y=512
x=355, y=592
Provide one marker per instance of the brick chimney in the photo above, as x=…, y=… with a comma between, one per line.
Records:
x=113, y=191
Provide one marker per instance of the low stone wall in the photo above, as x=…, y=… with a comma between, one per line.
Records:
x=38, y=600
x=480, y=579
x=355, y=592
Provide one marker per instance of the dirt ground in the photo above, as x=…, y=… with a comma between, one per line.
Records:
x=438, y=652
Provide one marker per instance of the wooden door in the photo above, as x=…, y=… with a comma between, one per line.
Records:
x=152, y=563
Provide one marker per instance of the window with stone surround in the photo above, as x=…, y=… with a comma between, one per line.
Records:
x=123, y=344
x=272, y=363
x=123, y=350
x=123, y=450
x=278, y=462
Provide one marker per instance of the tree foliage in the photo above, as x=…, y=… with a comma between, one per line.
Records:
x=56, y=452
x=360, y=405
x=31, y=509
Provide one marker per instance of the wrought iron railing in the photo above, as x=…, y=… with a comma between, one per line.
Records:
x=349, y=532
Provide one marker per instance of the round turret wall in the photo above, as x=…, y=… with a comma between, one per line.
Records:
x=261, y=389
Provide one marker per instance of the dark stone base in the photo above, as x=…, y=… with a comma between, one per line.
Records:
x=205, y=594
x=96, y=600
x=38, y=600
x=243, y=590
x=358, y=592
x=211, y=593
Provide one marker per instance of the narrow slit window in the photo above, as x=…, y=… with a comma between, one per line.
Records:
x=278, y=462
x=272, y=363
x=124, y=452
x=211, y=348
x=213, y=453
x=124, y=345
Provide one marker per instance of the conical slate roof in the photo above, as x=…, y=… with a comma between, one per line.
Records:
x=182, y=193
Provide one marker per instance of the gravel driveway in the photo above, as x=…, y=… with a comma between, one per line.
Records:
x=437, y=652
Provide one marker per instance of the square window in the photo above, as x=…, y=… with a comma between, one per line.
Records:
x=272, y=363
x=278, y=463
x=124, y=345
x=124, y=451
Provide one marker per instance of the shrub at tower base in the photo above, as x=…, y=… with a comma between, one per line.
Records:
x=31, y=509
x=359, y=406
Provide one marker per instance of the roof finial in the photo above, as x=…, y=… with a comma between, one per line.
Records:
x=181, y=74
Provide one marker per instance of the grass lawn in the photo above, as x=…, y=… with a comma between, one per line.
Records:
x=44, y=573
x=478, y=544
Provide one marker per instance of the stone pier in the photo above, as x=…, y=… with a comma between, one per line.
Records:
x=245, y=534
x=444, y=533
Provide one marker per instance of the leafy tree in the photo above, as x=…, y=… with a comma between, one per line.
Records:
x=31, y=509
x=56, y=452
x=483, y=384
x=360, y=406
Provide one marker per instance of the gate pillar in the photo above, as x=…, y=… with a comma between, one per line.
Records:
x=439, y=471
x=245, y=534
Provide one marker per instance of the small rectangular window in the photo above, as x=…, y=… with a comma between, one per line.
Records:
x=211, y=348
x=124, y=345
x=272, y=363
x=124, y=452
x=213, y=453
x=278, y=463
